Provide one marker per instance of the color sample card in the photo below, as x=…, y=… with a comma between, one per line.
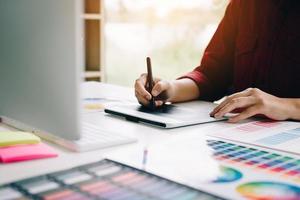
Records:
x=102, y=180
x=254, y=158
x=10, y=138
x=284, y=136
x=26, y=152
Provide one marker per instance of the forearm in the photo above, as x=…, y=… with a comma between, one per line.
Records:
x=184, y=90
x=214, y=75
x=293, y=108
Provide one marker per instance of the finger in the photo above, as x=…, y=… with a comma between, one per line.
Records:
x=229, y=98
x=141, y=90
x=253, y=110
x=159, y=88
x=244, y=93
x=240, y=102
x=143, y=101
x=159, y=103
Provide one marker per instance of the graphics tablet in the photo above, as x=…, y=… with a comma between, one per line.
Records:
x=167, y=116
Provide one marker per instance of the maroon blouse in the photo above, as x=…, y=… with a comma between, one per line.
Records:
x=257, y=44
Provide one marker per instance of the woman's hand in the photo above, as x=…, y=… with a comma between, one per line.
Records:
x=162, y=91
x=253, y=102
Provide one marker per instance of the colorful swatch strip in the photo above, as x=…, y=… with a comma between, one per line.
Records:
x=102, y=180
x=257, y=126
x=274, y=163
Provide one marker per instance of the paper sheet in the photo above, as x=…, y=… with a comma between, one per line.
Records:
x=277, y=135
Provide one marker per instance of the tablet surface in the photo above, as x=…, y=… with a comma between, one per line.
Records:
x=167, y=116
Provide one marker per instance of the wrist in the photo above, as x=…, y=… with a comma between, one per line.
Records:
x=293, y=108
x=171, y=91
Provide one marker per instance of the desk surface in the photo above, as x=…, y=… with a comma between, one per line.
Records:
x=148, y=137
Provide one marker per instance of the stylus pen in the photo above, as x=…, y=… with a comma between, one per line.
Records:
x=150, y=82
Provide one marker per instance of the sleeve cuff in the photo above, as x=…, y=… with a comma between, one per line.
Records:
x=202, y=82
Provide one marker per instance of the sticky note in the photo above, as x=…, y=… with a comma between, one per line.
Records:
x=94, y=106
x=15, y=138
x=26, y=152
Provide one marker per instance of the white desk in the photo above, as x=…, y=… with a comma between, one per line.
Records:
x=132, y=153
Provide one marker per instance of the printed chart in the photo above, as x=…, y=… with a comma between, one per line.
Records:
x=284, y=136
x=265, y=161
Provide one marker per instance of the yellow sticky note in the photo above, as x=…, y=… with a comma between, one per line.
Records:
x=94, y=106
x=11, y=138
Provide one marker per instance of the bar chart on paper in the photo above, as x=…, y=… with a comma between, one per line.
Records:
x=284, y=136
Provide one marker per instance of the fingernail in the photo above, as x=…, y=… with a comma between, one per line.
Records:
x=217, y=115
x=158, y=104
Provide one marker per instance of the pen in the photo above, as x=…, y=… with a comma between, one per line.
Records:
x=150, y=83
x=145, y=155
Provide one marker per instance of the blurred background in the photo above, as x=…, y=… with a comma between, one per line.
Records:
x=174, y=33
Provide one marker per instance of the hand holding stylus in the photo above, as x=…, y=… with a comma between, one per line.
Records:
x=152, y=92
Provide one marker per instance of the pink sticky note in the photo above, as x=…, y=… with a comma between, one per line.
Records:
x=26, y=152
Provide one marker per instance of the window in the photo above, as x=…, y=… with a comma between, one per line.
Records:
x=174, y=33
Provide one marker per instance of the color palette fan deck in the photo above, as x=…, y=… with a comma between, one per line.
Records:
x=102, y=180
x=269, y=191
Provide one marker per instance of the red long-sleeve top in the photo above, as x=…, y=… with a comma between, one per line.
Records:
x=257, y=44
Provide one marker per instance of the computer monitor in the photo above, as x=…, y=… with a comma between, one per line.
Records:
x=41, y=62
